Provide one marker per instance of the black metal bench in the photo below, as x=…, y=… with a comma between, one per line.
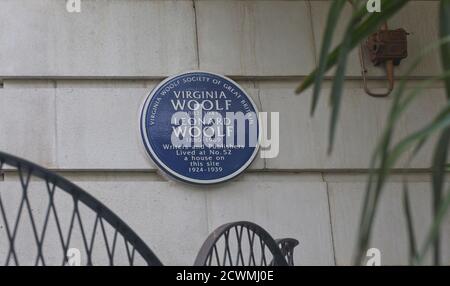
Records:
x=86, y=221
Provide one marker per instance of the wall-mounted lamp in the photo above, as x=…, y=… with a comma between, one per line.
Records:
x=387, y=47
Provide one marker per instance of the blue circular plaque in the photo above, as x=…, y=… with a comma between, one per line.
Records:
x=200, y=127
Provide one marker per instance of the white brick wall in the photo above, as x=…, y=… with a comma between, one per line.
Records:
x=108, y=38
x=73, y=85
x=249, y=37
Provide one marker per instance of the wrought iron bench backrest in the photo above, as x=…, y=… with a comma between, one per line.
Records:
x=245, y=244
x=47, y=220
x=58, y=219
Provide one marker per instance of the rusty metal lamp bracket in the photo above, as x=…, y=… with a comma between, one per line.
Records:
x=388, y=47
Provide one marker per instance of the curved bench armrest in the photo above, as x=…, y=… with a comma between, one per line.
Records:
x=287, y=246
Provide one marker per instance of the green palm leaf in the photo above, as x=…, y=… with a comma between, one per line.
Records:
x=441, y=150
x=333, y=17
x=361, y=32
